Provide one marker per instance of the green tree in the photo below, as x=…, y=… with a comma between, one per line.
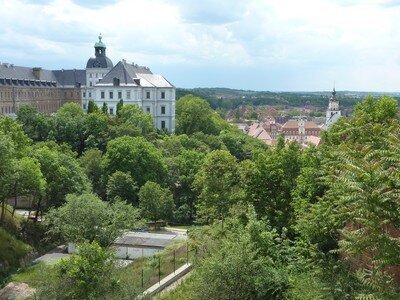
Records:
x=61, y=171
x=96, y=130
x=92, y=107
x=69, y=126
x=241, y=145
x=89, y=274
x=194, y=114
x=36, y=125
x=92, y=163
x=6, y=169
x=104, y=108
x=87, y=218
x=15, y=131
x=120, y=185
x=136, y=156
x=182, y=170
x=218, y=183
x=132, y=121
x=28, y=180
x=269, y=181
x=120, y=105
x=155, y=201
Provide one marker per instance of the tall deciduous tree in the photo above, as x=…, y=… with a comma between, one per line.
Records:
x=156, y=202
x=181, y=174
x=96, y=130
x=61, y=171
x=132, y=121
x=6, y=169
x=92, y=163
x=218, y=182
x=87, y=218
x=28, y=180
x=140, y=158
x=120, y=185
x=69, y=126
x=194, y=114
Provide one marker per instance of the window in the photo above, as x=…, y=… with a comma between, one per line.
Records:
x=84, y=94
x=147, y=95
x=148, y=109
x=119, y=95
x=162, y=95
x=90, y=83
x=162, y=124
x=163, y=110
x=90, y=95
x=90, y=75
x=84, y=105
x=111, y=111
x=128, y=94
x=111, y=95
x=102, y=95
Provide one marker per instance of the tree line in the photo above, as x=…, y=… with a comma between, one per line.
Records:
x=281, y=222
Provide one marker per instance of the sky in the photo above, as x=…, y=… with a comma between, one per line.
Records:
x=275, y=45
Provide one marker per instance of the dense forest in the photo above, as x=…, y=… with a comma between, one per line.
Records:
x=227, y=99
x=272, y=223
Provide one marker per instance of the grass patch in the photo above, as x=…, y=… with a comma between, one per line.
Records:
x=149, y=266
x=33, y=275
x=12, y=251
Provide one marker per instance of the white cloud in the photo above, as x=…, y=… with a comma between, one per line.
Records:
x=357, y=41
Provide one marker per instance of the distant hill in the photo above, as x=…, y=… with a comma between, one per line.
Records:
x=225, y=98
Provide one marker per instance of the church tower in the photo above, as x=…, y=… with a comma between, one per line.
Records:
x=96, y=68
x=333, y=113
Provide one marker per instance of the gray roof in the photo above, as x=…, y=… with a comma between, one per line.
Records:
x=15, y=75
x=132, y=74
x=145, y=239
x=70, y=77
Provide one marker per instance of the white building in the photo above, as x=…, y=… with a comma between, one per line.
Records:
x=133, y=84
x=333, y=113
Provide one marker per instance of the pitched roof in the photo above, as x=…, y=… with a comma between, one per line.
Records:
x=294, y=124
x=70, y=77
x=134, y=75
x=24, y=73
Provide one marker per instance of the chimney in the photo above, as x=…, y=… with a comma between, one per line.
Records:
x=37, y=72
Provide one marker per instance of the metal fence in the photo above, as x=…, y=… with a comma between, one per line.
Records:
x=151, y=270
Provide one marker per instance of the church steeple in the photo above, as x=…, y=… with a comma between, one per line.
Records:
x=100, y=60
x=333, y=113
x=100, y=47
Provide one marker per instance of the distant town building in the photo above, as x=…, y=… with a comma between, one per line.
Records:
x=100, y=81
x=301, y=131
x=333, y=113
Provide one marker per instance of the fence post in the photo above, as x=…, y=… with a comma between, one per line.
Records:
x=142, y=279
x=174, y=261
x=159, y=269
x=187, y=252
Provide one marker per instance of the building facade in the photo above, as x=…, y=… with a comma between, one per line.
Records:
x=134, y=84
x=37, y=87
x=100, y=82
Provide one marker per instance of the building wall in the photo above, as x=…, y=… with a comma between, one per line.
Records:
x=149, y=99
x=44, y=99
